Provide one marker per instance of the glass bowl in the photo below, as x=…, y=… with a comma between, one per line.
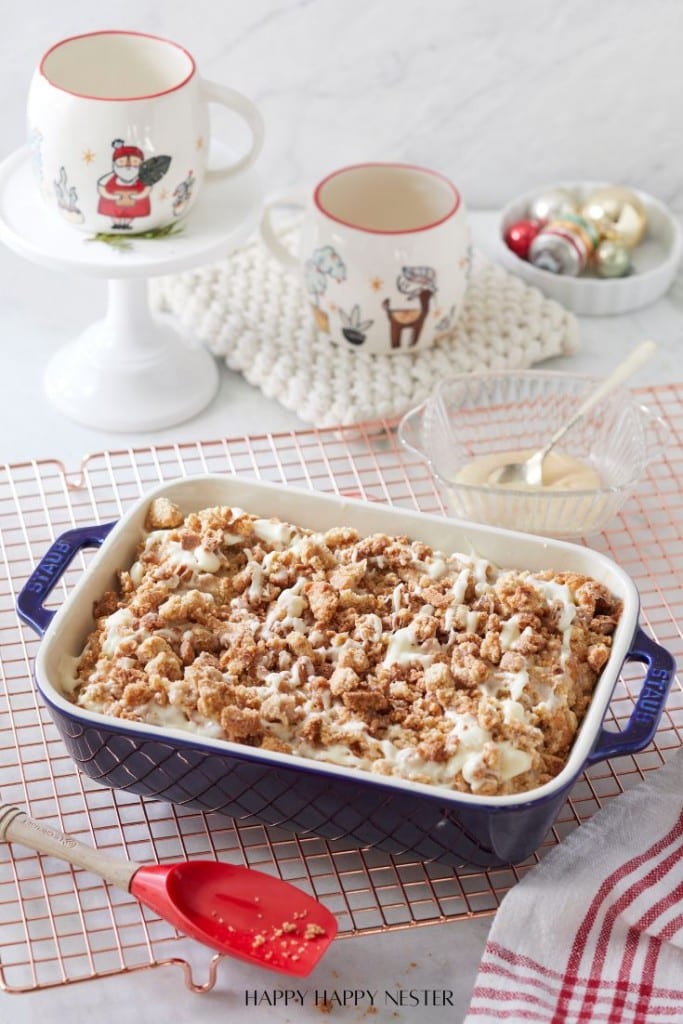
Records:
x=471, y=415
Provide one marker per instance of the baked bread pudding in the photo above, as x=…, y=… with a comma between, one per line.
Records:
x=375, y=653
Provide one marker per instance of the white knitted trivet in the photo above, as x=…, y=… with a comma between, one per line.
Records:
x=249, y=310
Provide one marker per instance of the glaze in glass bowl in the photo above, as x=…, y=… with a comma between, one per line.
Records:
x=471, y=415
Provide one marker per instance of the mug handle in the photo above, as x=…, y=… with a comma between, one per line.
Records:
x=235, y=101
x=293, y=198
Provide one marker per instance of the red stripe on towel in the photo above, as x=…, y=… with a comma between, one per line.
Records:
x=530, y=965
x=654, y=876
x=670, y=928
x=633, y=940
x=581, y=940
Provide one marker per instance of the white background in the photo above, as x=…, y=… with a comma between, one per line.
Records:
x=501, y=95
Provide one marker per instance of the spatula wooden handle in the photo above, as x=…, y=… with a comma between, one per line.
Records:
x=17, y=827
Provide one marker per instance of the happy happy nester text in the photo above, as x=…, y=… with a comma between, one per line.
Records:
x=348, y=997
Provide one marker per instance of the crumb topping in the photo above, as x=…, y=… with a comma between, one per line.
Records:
x=375, y=653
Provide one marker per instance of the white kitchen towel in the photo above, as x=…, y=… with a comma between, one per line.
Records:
x=594, y=933
x=252, y=313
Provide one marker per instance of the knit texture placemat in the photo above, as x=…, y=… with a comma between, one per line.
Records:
x=256, y=316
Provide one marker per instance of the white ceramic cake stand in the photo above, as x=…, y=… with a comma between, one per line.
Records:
x=132, y=370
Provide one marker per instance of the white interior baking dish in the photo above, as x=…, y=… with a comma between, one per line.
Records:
x=310, y=796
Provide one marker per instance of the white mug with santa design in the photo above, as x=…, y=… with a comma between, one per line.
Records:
x=119, y=131
x=384, y=256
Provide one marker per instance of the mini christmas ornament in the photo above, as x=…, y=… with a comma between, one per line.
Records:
x=618, y=215
x=564, y=246
x=558, y=251
x=612, y=259
x=577, y=224
x=554, y=203
x=520, y=235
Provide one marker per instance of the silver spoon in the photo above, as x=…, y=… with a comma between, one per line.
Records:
x=530, y=471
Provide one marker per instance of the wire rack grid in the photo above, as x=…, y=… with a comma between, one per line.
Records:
x=60, y=925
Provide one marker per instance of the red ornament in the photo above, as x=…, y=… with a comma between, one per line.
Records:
x=520, y=235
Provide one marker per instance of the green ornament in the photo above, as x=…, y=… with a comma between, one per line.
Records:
x=612, y=260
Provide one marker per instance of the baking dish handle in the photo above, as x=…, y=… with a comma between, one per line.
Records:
x=645, y=717
x=50, y=569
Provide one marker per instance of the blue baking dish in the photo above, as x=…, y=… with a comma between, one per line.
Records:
x=303, y=796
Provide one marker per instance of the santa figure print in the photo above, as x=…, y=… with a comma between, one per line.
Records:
x=125, y=190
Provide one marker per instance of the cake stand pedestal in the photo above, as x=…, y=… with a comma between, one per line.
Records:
x=131, y=370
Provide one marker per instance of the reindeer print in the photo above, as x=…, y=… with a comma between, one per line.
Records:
x=415, y=283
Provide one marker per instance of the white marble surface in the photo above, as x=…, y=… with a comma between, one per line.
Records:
x=499, y=96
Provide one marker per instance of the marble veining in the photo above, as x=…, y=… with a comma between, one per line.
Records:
x=499, y=95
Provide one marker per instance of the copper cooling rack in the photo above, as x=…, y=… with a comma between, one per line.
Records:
x=59, y=925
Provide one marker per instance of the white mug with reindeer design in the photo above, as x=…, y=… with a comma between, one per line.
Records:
x=384, y=256
x=119, y=131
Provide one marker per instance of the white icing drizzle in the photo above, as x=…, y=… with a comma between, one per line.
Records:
x=272, y=531
x=559, y=593
x=516, y=682
x=480, y=570
x=256, y=584
x=437, y=568
x=472, y=621
x=117, y=627
x=197, y=559
x=404, y=650
x=509, y=633
x=513, y=711
x=459, y=588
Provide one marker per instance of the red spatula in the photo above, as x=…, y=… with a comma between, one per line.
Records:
x=235, y=910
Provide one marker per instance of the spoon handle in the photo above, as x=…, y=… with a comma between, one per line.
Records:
x=17, y=827
x=640, y=355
